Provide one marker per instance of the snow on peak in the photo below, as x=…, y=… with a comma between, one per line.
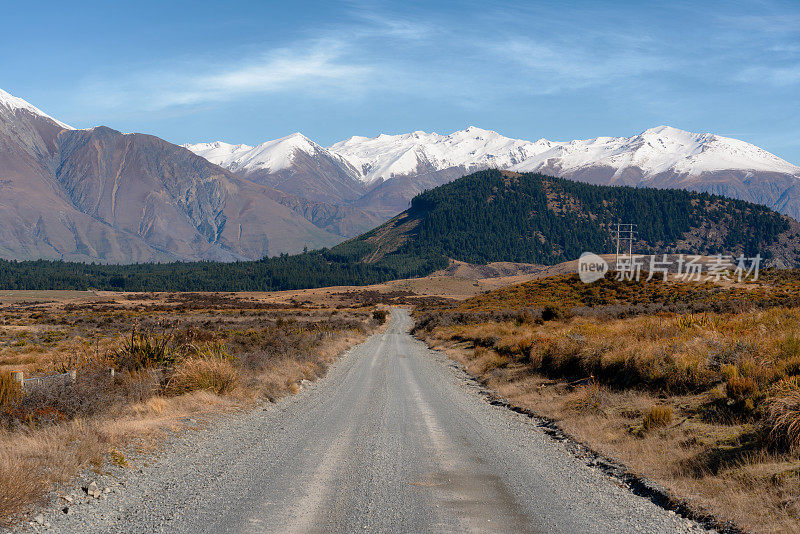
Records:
x=392, y=155
x=653, y=151
x=11, y=102
x=657, y=150
x=270, y=156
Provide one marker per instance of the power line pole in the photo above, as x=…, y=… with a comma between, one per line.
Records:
x=630, y=243
x=625, y=232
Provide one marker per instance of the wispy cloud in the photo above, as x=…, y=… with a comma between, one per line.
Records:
x=318, y=66
x=574, y=67
x=775, y=76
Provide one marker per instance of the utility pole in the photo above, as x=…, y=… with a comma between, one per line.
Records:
x=630, y=243
x=625, y=232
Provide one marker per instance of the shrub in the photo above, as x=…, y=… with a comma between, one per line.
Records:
x=657, y=416
x=142, y=350
x=93, y=392
x=211, y=374
x=380, y=316
x=552, y=313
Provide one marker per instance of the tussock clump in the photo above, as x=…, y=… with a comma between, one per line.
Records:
x=657, y=417
x=589, y=399
x=740, y=388
x=18, y=487
x=210, y=374
x=10, y=390
x=210, y=349
x=210, y=368
x=783, y=419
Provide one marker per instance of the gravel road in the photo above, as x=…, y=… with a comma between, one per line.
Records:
x=394, y=439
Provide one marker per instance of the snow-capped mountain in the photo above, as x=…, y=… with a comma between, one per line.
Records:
x=383, y=173
x=293, y=164
x=386, y=156
x=654, y=151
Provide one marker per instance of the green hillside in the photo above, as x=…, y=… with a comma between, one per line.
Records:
x=502, y=216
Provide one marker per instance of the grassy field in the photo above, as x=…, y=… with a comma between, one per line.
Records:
x=695, y=386
x=173, y=356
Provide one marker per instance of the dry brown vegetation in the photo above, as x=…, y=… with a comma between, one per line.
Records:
x=173, y=355
x=700, y=393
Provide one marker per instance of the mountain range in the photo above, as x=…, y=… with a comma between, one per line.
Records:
x=382, y=174
x=99, y=195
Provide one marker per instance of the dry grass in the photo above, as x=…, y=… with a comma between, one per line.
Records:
x=566, y=292
x=707, y=403
x=750, y=352
x=26, y=488
x=175, y=355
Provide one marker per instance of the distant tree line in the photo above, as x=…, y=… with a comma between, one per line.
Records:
x=311, y=269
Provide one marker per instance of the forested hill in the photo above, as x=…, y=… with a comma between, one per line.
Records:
x=484, y=217
x=504, y=216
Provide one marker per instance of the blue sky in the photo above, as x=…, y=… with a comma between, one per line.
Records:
x=245, y=72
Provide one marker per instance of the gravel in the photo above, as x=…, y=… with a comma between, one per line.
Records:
x=395, y=439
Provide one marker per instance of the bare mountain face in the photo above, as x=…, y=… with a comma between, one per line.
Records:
x=394, y=168
x=315, y=183
x=99, y=195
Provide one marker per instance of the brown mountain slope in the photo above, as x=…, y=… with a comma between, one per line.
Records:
x=99, y=195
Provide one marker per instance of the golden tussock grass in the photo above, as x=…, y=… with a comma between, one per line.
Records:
x=706, y=404
x=656, y=417
x=217, y=375
x=783, y=417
